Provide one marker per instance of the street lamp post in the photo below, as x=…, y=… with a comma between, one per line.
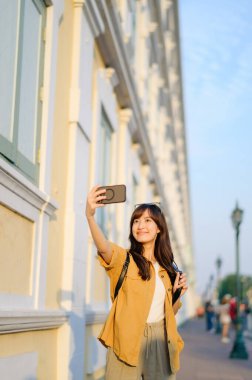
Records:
x=239, y=350
x=243, y=284
x=218, y=267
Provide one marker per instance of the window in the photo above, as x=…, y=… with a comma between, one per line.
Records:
x=105, y=166
x=22, y=24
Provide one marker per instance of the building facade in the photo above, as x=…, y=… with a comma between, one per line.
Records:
x=91, y=93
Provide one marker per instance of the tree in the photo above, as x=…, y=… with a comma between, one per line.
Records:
x=228, y=285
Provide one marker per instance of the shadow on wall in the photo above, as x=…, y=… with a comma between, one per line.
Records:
x=77, y=322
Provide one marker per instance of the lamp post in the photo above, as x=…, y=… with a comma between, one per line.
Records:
x=218, y=267
x=243, y=284
x=211, y=278
x=239, y=350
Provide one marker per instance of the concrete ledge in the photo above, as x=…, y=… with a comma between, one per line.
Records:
x=16, y=183
x=18, y=321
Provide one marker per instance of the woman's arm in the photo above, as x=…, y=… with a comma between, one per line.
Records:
x=102, y=244
x=180, y=282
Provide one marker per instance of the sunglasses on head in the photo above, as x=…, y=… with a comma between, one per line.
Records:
x=157, y=204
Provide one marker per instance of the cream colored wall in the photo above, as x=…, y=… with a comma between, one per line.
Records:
x=60, y=157
x=97, y=288
x=16, y=252
x=44, y=343
x=53, y=346
x=23, y=246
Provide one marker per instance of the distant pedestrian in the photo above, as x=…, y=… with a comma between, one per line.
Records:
x=233, y=310
x=209, y=312
x=140, y=331
x=244, y=312
x=225, y=318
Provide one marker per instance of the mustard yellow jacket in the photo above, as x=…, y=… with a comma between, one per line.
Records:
x=124, y=327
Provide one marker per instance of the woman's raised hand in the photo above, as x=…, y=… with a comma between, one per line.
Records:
x=93, y=198
x=102, y=245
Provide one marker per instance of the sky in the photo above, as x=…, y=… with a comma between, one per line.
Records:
x=216, y=54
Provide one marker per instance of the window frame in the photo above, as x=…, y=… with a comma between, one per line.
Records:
x=9, y=149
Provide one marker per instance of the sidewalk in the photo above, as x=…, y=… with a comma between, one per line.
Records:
x=206, y=358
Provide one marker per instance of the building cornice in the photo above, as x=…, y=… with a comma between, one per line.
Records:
x=15, y=182
x=94, y=18
x=17, y=321
x=112, y=48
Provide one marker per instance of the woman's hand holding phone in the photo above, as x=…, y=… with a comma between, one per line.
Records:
x=94, y=198
x=101, y=195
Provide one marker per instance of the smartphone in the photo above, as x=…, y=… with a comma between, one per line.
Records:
x=176, y=295
x=114, y=194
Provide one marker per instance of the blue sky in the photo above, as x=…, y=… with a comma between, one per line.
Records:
x=216, y=52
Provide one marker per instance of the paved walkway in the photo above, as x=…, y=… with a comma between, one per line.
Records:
x=206, y=358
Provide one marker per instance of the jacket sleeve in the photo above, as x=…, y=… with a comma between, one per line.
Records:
x=117, y=260
x=114, y=268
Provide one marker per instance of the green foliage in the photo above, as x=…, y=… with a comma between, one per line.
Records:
x=228, y=285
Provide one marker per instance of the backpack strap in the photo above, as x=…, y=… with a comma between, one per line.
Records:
x=122, y=275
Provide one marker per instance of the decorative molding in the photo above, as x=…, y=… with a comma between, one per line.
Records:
x=48, y=3
x=138, y=149
x=78, y=3
x=114, y=53
x=112, y=76
x=126, y=115
x=18, y=321
x=94, y=18
x=16, y=183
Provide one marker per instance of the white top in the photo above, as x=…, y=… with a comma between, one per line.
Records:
x=156, y=313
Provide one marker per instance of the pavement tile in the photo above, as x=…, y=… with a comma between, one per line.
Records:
x=206, y=358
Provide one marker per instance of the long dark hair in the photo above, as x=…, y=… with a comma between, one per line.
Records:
x=162, y=251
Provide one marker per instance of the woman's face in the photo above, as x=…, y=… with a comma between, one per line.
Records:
x=144, y=229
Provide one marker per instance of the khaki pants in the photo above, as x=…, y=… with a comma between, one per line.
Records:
x=153, y=360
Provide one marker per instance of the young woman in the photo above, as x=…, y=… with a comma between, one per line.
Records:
x=140, y=331
x=225, y=318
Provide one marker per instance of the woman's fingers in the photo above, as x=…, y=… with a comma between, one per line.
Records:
x=176, y=282
x=183, y=283
x=183, y=280
x=177, y=279
x=180, y=283
x=97, y=190
x=184, y=289
x=95, y=196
